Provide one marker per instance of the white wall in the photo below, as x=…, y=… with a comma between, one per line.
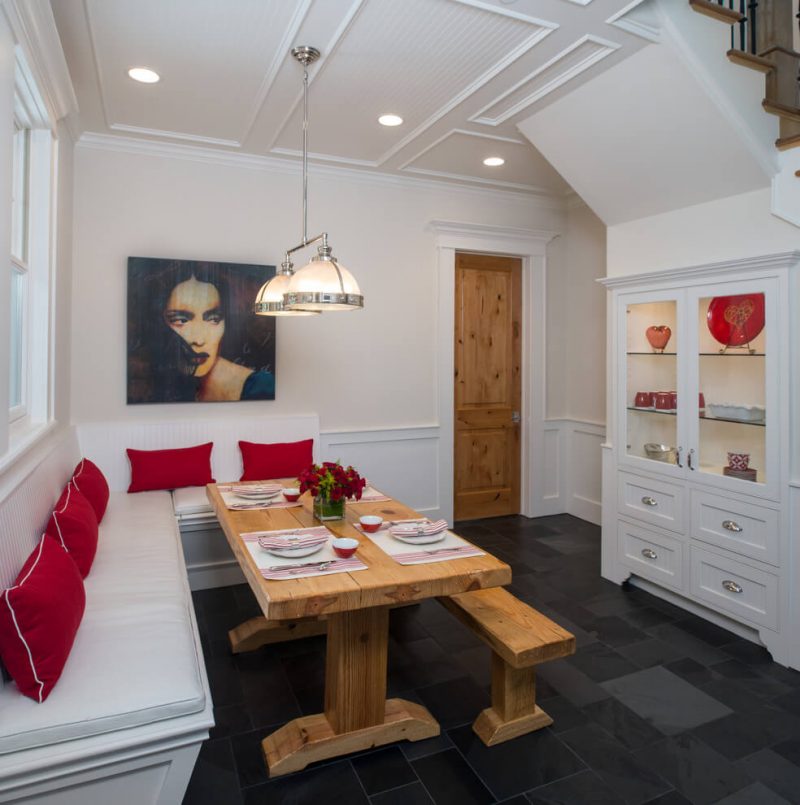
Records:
x=730, y=228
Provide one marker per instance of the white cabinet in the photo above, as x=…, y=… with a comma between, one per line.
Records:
x=701, y=474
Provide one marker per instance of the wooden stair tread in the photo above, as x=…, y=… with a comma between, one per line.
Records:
x=750, y=60
x=784, y=143
x=789, y=112
x=726, y=15
x=515, y=631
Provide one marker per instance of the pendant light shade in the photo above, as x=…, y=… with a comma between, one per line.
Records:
x=270, y=298
x=323, y=284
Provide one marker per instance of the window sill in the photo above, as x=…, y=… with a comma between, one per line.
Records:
x=23, y=436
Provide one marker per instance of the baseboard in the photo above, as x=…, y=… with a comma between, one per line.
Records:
x=215, y=574
x=585, y=509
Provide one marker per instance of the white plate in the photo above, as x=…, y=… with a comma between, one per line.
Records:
x=295, y=553
x=256, y=495
x=422, y=540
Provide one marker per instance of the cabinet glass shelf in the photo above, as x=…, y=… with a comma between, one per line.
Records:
x=702, y=418
x=705, y=354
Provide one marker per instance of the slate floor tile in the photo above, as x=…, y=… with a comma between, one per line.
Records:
x=790, y=749
x=790, y=702
x=632, y=731
x=564, y=714
x=615, y=631
x=666, y=701
x=775, y=772
x=413, y=750
x=755, y=794
x=687, y=644
x=747, y=652
x=387, y=768
x=648, y=653
x=672, y=798
x=690, y=670
x=702, y=775
x=455, y=702
x=450, y=781
x=333, y=784
x=735, y=737
x=214, y=778
x=647, y=617
x=249, y=757
x=585, y=787
x=514, y=767
x=632, y=779
x=600, y=662
x=706, y=631
x=571, y=683
x=732, y=694
x=413, y=794
x=230, y=719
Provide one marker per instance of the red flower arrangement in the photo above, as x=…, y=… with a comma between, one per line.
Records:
x=330, y=481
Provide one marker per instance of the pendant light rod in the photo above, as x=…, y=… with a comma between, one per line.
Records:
x=305, y=55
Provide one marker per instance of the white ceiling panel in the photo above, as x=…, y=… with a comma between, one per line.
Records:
x=524, y=166
x=207, y=61
x=395, y=58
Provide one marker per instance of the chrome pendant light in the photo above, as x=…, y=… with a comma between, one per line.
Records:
x=269, y=300
x=323, y=284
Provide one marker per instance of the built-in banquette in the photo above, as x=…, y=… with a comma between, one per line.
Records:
x=125, y=721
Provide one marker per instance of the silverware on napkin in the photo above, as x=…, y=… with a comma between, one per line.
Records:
x=300, y=566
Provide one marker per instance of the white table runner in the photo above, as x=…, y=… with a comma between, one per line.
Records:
x=404, y=553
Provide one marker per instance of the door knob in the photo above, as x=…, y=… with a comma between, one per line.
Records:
x=515, y=417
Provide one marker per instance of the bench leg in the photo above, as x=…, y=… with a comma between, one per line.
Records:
x=257, y=632
x=514, y=711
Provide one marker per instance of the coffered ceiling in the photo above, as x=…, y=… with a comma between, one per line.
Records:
x=461, y=73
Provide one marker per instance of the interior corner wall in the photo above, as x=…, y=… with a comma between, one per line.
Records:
x=727, y=229
x=576, y=363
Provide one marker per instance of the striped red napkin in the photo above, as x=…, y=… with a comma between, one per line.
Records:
x=418, y=529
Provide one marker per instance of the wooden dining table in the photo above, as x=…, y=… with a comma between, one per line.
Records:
x=354, y=608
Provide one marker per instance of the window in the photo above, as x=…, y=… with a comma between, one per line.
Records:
x=32, y=192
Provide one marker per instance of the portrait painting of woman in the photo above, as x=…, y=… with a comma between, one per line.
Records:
x=192, y=333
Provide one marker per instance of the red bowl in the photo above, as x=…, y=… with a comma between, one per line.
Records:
x=344, y=546
x=370, y=523
x=291, y=496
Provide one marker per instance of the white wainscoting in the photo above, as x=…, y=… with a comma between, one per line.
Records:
x=573, y=458
x=402, y=462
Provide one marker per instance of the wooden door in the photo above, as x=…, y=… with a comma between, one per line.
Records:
x=487, y=385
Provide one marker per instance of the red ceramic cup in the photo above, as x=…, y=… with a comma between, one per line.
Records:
x=673, y=399
x=344, y=546
x=702, y=402
x=663, y=401
x=643, y=399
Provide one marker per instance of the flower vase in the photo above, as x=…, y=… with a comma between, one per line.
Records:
x=328, y=509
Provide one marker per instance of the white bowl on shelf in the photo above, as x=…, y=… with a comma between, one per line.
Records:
x=741, y=413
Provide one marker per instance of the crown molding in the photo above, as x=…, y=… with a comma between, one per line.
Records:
x=781, y=260
x=462, y=234
x=212, y=156
x=34, y=29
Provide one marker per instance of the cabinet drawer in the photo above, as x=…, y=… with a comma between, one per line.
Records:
x=744, y=592
x=653, y=556
x=737, y=526
x=656, y=502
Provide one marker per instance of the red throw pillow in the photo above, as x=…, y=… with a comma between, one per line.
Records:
x=170, y=469
x=39, y=617
x=261, y=462
x=91, y=483
x=73, y=524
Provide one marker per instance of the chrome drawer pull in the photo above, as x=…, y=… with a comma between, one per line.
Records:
x=648, y=501
x=730, y=525
x=732, y=586
x=649, y=554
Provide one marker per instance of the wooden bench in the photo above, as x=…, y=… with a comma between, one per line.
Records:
x=520, y=638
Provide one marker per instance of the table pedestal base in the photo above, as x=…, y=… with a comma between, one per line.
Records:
x=311, y=738
x=492, y=729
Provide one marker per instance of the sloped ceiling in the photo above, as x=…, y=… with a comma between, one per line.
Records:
x=462, y=74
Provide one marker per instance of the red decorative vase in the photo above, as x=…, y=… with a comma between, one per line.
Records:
x=658, y=335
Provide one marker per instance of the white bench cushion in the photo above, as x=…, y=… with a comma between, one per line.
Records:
x=191, y=500
x=134, y=660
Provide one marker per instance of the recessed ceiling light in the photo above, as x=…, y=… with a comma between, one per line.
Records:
x=494, y=162
x=144, y=75
x=390, y=120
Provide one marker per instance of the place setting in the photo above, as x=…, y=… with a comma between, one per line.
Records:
x=416, y=541
x=301, y=552
x=246, y=496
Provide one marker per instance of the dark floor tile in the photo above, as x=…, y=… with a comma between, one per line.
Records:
x=420, y=663
x=585, y=788
x=666, y=701
x=229, y=720
x=733, y=669
x=600, y=663
x=450, y=781
x=571, y=683
x=650, y=652
x=305, y=670
x=249, y=756
x=215, y=600
x=413, y=750
x=564, y=714
x=414, y=794
x=477, y=662
x=732, y=694
x=627, y=727
x=214, y=777
x=705, y=630
x=224, y=681
x=790, y=702
x=517, y=766
x=790, y=750
x=747, y=652
x=455, y=702
x=632, y=779
x=702, y=775
x=687, y=644
x=775, y=772
x=672, y=798
x=755, y=794
x=615, y=631
x=690, y=670
x=334, y=784
x=405, y=625
x=735, y=737
x=647, y=617
x=379, y=771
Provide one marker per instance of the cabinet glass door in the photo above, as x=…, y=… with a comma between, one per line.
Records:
x=736, y=385
x=650, y=381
